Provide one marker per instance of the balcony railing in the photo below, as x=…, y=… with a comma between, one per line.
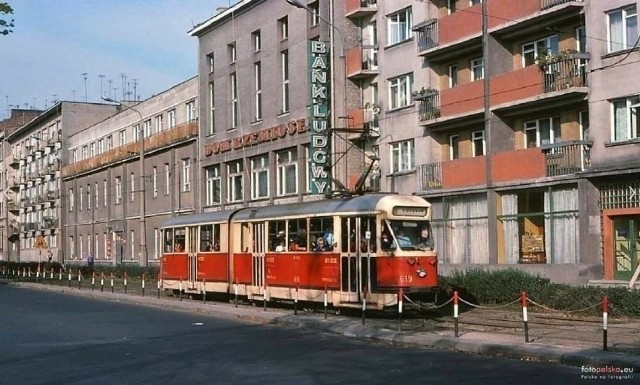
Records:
x=427, y=34
x=567, y=157
x=565, y=74
x=429, y=105
x=431, y=176
x=546, y=4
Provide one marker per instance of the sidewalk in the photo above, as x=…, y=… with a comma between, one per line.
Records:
x=491, y=343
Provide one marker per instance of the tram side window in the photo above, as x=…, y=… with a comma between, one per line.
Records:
x=298, y=240
x=179, y=240
x=168, y=240
x=349, y=235
x=210, y=237
x=368, y=235
x=321, y=234
x=365, y=242
x=277, y=236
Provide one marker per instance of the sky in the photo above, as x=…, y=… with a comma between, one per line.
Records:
x=56, y=42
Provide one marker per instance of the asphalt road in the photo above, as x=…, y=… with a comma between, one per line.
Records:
x=53, y=338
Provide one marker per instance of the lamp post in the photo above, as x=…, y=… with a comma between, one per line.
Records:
x=142, y=256
x=334, y=116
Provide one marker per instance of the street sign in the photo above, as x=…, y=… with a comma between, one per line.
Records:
x=40, y=243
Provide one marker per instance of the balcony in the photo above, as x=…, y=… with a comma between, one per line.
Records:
x=564, y=158
x=52, y=195
x=49, y=223
x=14, y=231
x=14, y=161
x=12, y=205
x=29, y=226
x=565, y=74
x=130, y=151
x=355, y=9
x=428, y=105
x=362, y=62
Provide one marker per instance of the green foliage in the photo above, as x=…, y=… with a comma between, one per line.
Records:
x=499, y=287
x=6, y=26
x=133, y=271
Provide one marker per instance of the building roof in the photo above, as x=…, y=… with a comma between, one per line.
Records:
x=221, y=16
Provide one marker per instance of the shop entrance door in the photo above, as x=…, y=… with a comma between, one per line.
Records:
x=626, y=243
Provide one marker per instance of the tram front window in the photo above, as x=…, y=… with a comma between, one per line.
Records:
x=408, y=235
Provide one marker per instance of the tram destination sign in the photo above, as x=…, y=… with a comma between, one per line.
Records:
x=320, y=146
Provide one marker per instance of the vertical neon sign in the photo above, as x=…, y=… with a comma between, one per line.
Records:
x=320, y=146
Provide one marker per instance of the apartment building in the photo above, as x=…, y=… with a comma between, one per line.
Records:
x=35, y=157
x=8, y=194
x=614, y=107
x=256, y=111
x=127, y=174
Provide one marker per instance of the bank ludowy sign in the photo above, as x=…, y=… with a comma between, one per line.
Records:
x=320, y=146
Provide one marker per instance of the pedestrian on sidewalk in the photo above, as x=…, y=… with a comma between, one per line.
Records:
x=90, y=261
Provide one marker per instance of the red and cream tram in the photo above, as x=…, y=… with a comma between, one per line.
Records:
x=374, y=245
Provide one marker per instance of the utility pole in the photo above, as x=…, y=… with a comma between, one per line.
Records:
x=84, y=76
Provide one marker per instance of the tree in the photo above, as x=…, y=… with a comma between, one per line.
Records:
x=5, y=26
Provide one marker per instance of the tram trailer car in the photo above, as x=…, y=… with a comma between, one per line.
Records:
x=374, y=247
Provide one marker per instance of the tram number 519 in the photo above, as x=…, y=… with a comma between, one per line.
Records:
x=406, y=278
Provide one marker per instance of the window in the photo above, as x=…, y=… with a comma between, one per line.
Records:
x=257, y=43
x=400, y=91
x=156, y=242
x=167, y=179
x=109, y=142
x=478, y=143
x=402, y=156
x=154, y=176
x=257, y=70
x=231, y=48
x=453, y=75
x=625, y=119
x=399, y=26
x=212, y=110
x=186, y=175
x=541, y=131
x=622, y=28
x=132, y=237
x=159, y=124
x=122, y=138
x=92, y=149
x=81, y=197
x=88, y=197
x=211, y=62
x=171, y=117
x=287, y=177
x=283, y=28
x=474, y=2
x=233, y=83
x=72, y=199
x=285, y=81
x=451, y=6
x=133, y=187
x=477, y=69
x=85, y=152
x=454, y=152
x=118, y=189
x=530, y=51
x=100, y=146
x=314, y=13
x=147, y=128
x=213, y=186
x=235, y=181
x=75, y=155
x=104, y=188
x=136, y=132
x=260, y=177
x=192, y=113
x=96, y=193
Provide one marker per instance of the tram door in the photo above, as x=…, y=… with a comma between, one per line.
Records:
x=192, y=254
x=259, y=247
x=357, y=237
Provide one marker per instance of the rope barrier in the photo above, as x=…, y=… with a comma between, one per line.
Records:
x=489, y=307
x=563, y=311
x=420, y=306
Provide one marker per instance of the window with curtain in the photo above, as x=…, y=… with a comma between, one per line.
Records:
x=399, y=26
x=400, y=91
x=625, y=119
x=402, y=156
x=622, y=28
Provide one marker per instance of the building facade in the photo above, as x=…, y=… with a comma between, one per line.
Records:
x=127, y=174
x=9, y=195
x=35, y=159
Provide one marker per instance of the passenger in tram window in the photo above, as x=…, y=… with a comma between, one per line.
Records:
x=425, y=240
x=280, y=245
x=385, y=239
x=321, y=245
x=301, y=240
x=216, y=245
x=178, y=247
